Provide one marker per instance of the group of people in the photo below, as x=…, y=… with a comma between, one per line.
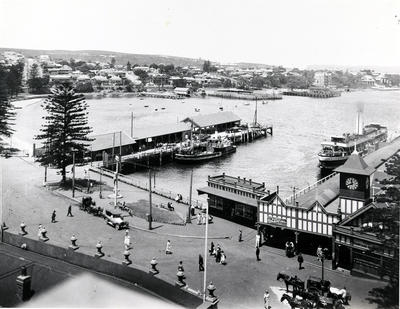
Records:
x=218, y=253
x=201, y=218
x=289, y=249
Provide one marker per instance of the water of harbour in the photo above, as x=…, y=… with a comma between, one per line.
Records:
x=287, y=159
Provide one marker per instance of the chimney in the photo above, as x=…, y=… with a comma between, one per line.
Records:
x=277, y=190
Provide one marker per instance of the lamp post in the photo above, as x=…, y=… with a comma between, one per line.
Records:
x=116, y=182
x=205, y=257
x=321, y=256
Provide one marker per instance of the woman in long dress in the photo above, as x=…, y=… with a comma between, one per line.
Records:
x=168, y=248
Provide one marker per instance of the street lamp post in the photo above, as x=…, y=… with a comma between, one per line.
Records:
x=322, y=257
x=205, y=257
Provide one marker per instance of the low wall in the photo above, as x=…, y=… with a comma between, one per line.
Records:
x=139, y=276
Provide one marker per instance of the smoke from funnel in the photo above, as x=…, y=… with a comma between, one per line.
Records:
x=359, y=122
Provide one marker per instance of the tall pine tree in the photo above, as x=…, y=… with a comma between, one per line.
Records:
x=6, y=108
x=66, y=128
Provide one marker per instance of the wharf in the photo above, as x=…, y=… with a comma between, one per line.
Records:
x=313, y=93
x=160, y=95
x=245, y=96
x=165, y=154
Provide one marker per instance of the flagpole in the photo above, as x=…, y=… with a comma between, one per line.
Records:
x=205, y=257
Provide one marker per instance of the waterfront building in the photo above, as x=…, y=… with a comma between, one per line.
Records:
x=110, y=143
x=322, y=79
x=362, y=242
x=337, y=214
x=150, y=137
x=220, y=121
x=234, y=198
x=183, y=91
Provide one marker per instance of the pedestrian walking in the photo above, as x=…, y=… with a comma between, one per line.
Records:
x=180, y=266
x=240, y=235
x=53, y=217
x=201, y=263
x=218, y=254
x=127, y=241
x=168, y=249
x=223, y=258
x=258, y=240
x=211, y=248
x=266, y=299
x=69, y=213
x=258, y=254
x=300, y=259
x=198, y=218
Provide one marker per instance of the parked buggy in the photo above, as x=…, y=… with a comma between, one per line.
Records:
x=315, y=284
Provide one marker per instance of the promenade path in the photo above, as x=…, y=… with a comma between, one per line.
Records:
x=240, y=284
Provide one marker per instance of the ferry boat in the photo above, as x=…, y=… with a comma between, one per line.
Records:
x=224, y=147
x=215, y=149
x=197, y=157
x=336, y=151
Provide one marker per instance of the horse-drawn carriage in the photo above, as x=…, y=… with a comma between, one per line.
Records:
x=295, y=282
x=90, y=207
x=317, y=293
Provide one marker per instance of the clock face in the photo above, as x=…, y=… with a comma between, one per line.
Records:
x=351, y=183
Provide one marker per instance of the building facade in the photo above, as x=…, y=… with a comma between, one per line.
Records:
x=234, y=198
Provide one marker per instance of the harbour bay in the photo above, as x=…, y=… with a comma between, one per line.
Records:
x=287, y=159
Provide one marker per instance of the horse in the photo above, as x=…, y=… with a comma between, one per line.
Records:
x=338, y=294
x=296, y=283
x=297, y=303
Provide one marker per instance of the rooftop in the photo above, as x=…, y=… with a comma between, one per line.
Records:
x=105, y=141
x=355, y=165
x=238, y=182
x=141, y=133
x=202, y=121
x=228, y=195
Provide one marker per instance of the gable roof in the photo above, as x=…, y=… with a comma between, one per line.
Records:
x=208, y=120
x=105, y=141
x=355, y=164
x=171, y=128
x=357, y=213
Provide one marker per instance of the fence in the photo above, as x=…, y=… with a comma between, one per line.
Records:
x=310, y=187
x=145, y=186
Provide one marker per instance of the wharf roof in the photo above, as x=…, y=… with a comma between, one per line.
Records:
x=202, y=121
x=105, y=141
x=324, y=193
x=229, y=196
x=141, y=133
x=239, y=182
x=355, y=165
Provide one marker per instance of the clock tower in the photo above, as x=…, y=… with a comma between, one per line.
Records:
x=355, y=185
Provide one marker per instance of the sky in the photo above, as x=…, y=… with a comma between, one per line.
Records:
x=278, y=32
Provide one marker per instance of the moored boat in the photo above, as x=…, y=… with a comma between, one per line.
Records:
x=336, y=151
x=197, y=157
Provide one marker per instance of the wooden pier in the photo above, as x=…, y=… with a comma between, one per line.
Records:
x=243, y=96
x=313, y=93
